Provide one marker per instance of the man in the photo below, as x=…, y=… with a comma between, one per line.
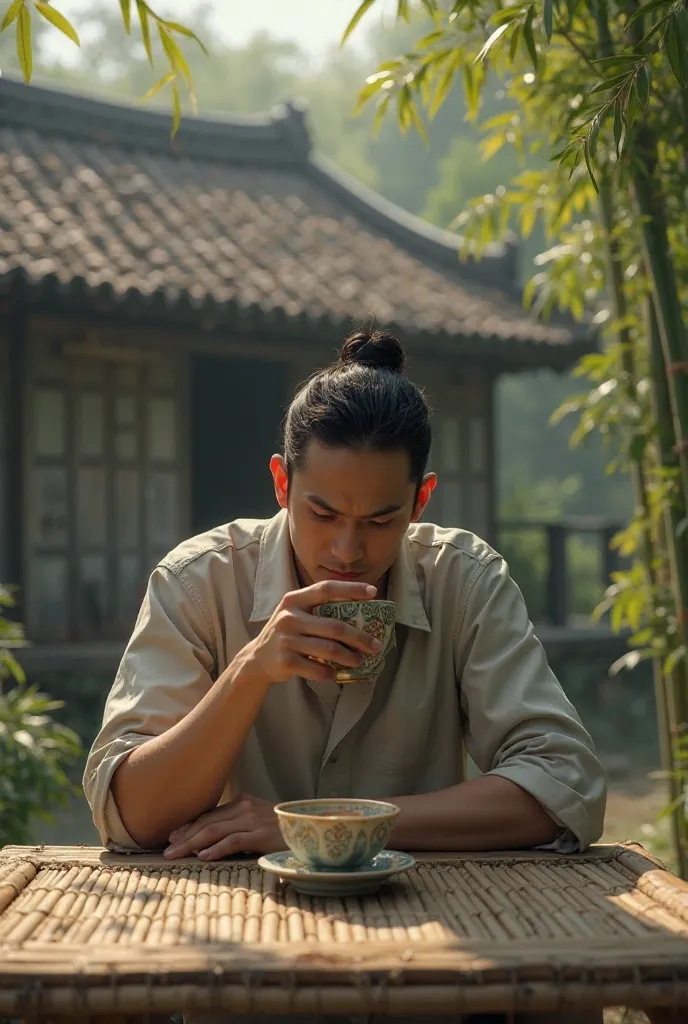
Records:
x=219, y=709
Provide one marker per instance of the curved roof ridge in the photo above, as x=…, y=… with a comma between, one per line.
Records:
x=498, y=265
x=279, y=137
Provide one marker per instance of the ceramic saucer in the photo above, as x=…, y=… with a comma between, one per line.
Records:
x=325, y=882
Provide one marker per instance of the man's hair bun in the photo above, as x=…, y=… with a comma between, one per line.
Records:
x=378, y=349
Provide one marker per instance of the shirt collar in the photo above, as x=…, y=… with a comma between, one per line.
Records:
x=276, y=576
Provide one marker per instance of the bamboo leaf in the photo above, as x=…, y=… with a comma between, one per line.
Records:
x=380, y=111
x=660, y=23
x=642, y=83
x=359, y=13
x=675, y=659
x=515, y=42
x=619, y=60
x=506, y=16
x=681, y=18
x=611, y=83
x=48, y=12
x=682, y=527
x=648, y=8
x=24, y=49
x=548, y=17
x=445, y=81
x=418, y=121
x=174, y=54
x=492, y=145
x=403, y=113
x=182, y=30
x=618, y=126
x=126, y=14
x=13, y=666
x=11, y=14
x=505, y=120
x=675, y=50
x=628, y=660
x=142, y=8
x=528, y=217
x=588, y=163
x=632, y=109
x=369, y=90
x=403, y=11
x=160, y=84
x=471, y=91
x=592, y=136
x=497, y=34
x=436, y=36
x=530, y=38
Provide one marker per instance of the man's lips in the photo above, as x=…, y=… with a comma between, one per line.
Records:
x=336, y=574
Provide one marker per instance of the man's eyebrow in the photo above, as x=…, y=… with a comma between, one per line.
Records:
x=321, y=503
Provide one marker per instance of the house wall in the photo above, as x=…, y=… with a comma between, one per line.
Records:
x=104, y=468
x=462, y=452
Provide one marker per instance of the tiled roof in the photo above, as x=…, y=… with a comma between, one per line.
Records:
x=234, y=215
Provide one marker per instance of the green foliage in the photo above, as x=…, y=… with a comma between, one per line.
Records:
x=19, y=14
x=35, y=751
x=601, y=89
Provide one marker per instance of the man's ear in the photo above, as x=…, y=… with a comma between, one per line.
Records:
x=280, y=479
x=426, y=488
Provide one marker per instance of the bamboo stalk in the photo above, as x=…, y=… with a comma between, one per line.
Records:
x=655, y=242
x=662, y=274
x=675, y=687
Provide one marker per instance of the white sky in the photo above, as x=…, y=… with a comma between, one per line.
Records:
x=314, y=24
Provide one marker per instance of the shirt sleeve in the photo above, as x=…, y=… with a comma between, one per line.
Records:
x=518, y=722
x=166, y=669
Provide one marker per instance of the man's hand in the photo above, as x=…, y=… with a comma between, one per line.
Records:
x=293, y=637
x=246, y=824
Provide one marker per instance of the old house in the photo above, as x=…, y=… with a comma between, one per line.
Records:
x=160, y=300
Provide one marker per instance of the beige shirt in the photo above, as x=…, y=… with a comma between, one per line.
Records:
x=467, y=674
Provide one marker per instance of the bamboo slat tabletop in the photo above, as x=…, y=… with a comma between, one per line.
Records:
x=84, y=930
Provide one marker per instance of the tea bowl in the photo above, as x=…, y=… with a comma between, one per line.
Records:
x=329, y=833
x=373, y=617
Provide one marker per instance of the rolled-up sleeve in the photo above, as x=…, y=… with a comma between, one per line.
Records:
x=518, y=721
x=165, y=671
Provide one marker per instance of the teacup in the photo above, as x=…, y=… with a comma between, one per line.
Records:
x=327, y=833
x=373, y=617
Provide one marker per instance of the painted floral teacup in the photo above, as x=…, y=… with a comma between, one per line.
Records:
x=373, y=617
x=332, y=834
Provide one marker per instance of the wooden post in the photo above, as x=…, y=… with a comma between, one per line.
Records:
x=15, y=512
x=557, y=579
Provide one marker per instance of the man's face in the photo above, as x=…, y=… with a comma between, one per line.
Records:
x=348, y=511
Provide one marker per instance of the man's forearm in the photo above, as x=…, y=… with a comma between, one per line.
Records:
x=487, y=813
x=173, y=778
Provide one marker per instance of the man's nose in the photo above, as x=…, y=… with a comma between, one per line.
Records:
x=346, y=546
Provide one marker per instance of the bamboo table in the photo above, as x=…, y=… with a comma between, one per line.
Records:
x=89, y=934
